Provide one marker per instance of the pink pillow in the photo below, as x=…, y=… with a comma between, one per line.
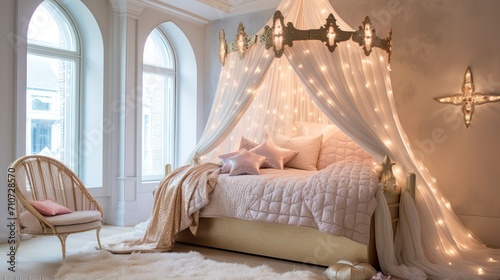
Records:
x=246, y=162
x=341, y=147
x=247, y=144
x=276, y=156
x=49, y=208
x=226, y=166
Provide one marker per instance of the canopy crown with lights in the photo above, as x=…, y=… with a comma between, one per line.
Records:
x=280, y=35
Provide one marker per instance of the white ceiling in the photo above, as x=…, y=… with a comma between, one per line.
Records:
x=208, y=10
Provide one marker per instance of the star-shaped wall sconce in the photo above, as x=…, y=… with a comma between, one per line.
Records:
x=468, y=98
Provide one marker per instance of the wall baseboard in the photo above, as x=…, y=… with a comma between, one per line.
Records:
x=484, y=228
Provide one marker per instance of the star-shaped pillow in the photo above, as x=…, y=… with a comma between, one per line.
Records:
x=246, y=162
x=226, y=165
x=276, y=155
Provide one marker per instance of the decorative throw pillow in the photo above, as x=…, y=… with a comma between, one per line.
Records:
x=308, y=149
x=226, y=165
x=49, y=208
x=315, y=129
x=247, y=144
x=276, y=156
x=340, y=147
x=246, y=162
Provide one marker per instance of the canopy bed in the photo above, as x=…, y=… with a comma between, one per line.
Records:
x=299, y=69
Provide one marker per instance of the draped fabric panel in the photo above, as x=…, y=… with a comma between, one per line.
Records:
x=340, y=90
x=276, y=108
x=238, y=81
x=261, y=94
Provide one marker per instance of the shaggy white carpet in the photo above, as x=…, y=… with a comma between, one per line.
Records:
x=191, y=265
x=90, y=263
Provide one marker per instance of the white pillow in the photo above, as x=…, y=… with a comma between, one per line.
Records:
x=315, y=129
x=341, y=147
x=308, y=150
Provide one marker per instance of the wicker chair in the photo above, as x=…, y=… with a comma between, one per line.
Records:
x=41, y=178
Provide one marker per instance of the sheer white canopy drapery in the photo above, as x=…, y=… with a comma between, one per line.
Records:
x=262, y=94
x=235, y=91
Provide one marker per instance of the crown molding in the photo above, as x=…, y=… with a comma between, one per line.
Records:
x=132, y=8
x=219, y=5
x=240, y=8
x=165, y=7
x=135, y=8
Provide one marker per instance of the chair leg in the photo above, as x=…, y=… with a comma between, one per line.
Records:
x=18, y=242
x=62, y=238
x=98, y=239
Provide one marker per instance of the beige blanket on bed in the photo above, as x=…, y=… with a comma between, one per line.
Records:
x=176, y=206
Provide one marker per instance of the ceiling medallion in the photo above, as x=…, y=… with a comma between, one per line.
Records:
x=468, y=98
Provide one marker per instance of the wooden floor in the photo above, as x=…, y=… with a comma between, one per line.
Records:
x=39, y=258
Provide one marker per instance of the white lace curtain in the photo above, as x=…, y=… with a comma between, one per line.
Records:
x=262, y=94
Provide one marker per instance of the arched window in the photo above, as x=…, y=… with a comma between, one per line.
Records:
x=53, y=84
x=61, y=88
x=158, y=105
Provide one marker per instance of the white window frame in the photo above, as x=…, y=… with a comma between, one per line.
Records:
x=170, y=128
x=94, y=160
x=71, y=141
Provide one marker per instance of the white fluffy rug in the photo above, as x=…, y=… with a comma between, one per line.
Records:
x=90, y=263
x=191, y=265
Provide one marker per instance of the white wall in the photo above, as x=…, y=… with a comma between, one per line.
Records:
x=433, y=43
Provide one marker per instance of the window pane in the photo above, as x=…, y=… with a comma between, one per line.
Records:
x=50, y=107
x=157, y=51
x=49, y=27
x=153, y=127
x=158, y=112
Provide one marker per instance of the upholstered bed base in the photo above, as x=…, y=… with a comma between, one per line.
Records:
x=300, y=244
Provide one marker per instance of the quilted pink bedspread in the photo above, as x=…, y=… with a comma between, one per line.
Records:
x=339, y=199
